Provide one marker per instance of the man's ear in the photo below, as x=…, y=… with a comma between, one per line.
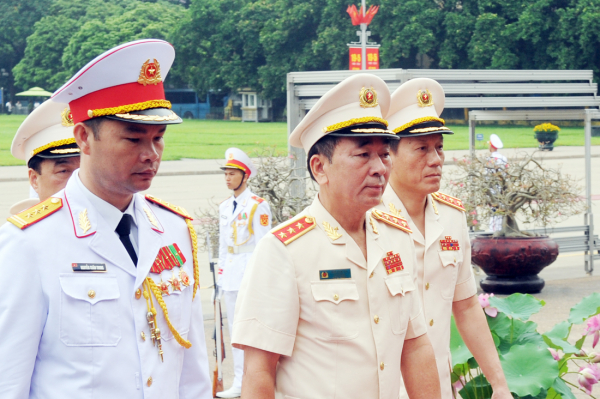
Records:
x=318, y=165
x=33, y=179
x=83, y=135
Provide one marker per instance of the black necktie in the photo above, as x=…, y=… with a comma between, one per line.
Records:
x=123, y=230
x=234, y=205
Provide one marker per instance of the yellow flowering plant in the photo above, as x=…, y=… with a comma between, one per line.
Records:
x=546, y=127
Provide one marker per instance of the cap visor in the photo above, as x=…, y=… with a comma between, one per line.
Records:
x=153, y=116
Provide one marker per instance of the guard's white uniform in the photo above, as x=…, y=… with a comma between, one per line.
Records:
x=239, y=232
x=61, y=340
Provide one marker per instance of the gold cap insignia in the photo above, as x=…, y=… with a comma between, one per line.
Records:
x=368, y=98
x=67, y=117
x=150, y=73
x=231, y=156
x=424, y=98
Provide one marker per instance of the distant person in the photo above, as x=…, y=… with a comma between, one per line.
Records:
x=36, y=104
x=497, y=160
x=45, y=141
x=244, y=220
x=8, y=107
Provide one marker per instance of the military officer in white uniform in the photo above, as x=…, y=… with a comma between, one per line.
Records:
x=496, y=161
x=440, y=234
x=244, y=219
x=99, y=282
x=328, y=307
x=45, y=142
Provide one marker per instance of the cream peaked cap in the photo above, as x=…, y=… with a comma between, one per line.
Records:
x=417, y=104
x=46, y=127
x=237, y=159
x=347, y=104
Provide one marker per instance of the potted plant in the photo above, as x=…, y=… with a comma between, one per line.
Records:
x=522, y=188
x=546, y=134
x=550, y=365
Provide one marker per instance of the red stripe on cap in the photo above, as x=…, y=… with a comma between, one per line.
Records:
x=240, y=164
x=116, y=96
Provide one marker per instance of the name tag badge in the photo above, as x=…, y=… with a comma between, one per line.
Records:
x=335, y=274
x=89, y=267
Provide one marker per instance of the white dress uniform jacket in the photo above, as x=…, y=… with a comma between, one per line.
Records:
x=339, y=338
x=60, y=340
x=443, y=277
x=237, y=237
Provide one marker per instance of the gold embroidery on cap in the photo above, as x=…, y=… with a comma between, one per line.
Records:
x=368, y=98
x=65, y=151
x=417, y=121
x=353, y=122
x=67, y=117
x=424, y=98
x=57, y=143
x=428, y=129
x=150, y=73
x=129, y=108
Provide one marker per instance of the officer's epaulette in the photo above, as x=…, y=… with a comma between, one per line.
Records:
x=392, y=220
x=448, y=200
x=167, y=205
x=294, y=229
x=258, y=199
x=36, y=213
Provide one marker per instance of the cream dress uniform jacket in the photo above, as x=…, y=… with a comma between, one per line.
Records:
x=239, y=232
x=443, y=277
x=339, y=338
x=72, y=334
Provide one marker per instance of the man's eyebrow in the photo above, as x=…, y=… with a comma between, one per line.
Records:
x=133, y=128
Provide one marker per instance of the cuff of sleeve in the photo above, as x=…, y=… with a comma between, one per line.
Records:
x=416, y=326
x=465, y=290
x=252, y=332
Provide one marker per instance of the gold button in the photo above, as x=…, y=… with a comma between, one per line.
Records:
x=431, y=322
x=91, y=294
x=143, y=334
x=138, y=293
x=454, y=260
x=427, y=286
x=372, y=273
x=376, y=318
x=149, y=382
x=381, y=365
x=336, y=297
x=54, y=200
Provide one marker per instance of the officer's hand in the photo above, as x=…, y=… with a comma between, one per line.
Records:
x=503, y=393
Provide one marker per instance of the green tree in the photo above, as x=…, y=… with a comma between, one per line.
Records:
x=17, y=18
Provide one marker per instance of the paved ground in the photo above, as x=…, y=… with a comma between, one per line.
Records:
x=195, y=184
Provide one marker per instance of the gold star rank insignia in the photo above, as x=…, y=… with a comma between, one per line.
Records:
x=391, y=220
x=286, y=233
x=448, y=200
x=36, y=213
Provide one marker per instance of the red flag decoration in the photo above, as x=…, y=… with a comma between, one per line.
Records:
x=359, y=16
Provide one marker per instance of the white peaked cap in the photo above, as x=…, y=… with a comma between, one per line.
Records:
x=237, y=159
x=495, y=140
x=361, y=99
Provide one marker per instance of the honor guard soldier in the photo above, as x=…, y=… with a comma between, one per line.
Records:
x=244, y=219
x=440, y=234
x=100, y=283
x=45, y=142
x=328, y=307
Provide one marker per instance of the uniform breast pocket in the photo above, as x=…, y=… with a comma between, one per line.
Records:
x=336, y=304
x=399, y=284
x=89, y=310
x=179, y=307
x=450, y=260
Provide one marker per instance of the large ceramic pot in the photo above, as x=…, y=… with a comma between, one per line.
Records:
x=512, y=264
x=546, y=140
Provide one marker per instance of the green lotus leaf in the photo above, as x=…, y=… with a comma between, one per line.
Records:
x=587, y=307
x=562, y=389
x=529, y=368
x=458, y=348
x=522, y=333
x=478, y=388
x=580, y=341
x=500, y=325
x=517, y=306
x=557, y=337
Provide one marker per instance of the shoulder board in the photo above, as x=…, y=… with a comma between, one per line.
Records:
x=167, y=205
x=448, y=200
x=36, y=213
x=224, y=200
x=392, y=220
x=258, y=199
x=294, y=229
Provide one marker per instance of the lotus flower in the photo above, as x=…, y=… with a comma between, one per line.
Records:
x=588, y=377
x=484, y=301
x=555, y=354
x=593, y=328
x=595, y=357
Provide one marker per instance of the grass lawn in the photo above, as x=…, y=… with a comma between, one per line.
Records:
x=208, y=139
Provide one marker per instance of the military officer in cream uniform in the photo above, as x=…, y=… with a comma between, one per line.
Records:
x=99, y=282
x=45, y=142
x=244, y=220
x=328, y=307
x=440, y=234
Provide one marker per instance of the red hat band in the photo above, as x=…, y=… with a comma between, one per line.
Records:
x=119, y=99
x=238, y=165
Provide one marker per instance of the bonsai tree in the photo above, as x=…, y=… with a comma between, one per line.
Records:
x=523, y=187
